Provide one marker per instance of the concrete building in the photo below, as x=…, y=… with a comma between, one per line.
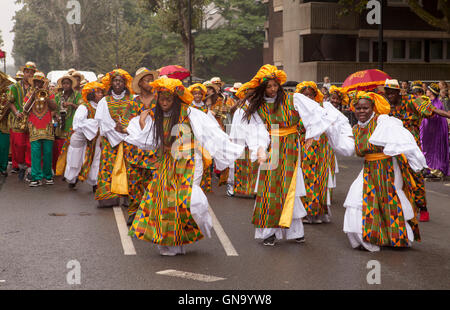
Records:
x=310, y=40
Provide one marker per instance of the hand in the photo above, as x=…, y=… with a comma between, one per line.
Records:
x=19, y=115
x=308, y=143
x=119, y=127
x=142, y=118
x=262, y=156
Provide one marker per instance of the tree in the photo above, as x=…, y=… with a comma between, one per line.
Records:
x=441, y=20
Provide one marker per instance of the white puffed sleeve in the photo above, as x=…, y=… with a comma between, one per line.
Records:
x=340, y=133
x=237, y=132
x=88, y=127
x=107, y=124
x=211, y=137
x=142, y=138
x=315, y=118
x=396, y=139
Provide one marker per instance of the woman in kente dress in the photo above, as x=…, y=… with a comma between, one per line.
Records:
x=174, y=210
x=380, y=203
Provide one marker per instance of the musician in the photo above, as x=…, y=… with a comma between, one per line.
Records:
x=5, y=81
x=39, y=106
x=67, y=100
x=20, y=145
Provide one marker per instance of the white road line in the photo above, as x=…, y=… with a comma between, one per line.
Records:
x=342, y=166
x=127, y=243
x=226, y=243
x=189, y=275
x=436, y=193
x=2, y=281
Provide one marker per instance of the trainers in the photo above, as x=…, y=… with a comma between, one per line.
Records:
x=300, y=240
x=424, y=216
x=269, y=241
x=35, y=183
x=49, y=182
x=230, y=190
x=4, y=173
x=21, y=174
x=28, y=178
x=15, y=170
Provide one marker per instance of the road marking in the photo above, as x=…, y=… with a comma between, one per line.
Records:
x=437, y=193
x=226, y=243
x=2, y=281
x=127, y=243
x=343, y=166
x=189, y=275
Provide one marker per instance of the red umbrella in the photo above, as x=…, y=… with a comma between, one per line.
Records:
x=365, y=80
x=175, y=72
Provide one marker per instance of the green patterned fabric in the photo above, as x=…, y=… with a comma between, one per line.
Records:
x=74, y=98
x=245, y=175
x=16, y=95
x=383, y=219
x=164, y=216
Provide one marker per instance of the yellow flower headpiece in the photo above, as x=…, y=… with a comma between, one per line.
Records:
x=310, y=84
x=199, y=87
x=266, y=72
x=90, y=87
x=107, y=79
x=342, y=93
x=381, y=105
x=173, y=86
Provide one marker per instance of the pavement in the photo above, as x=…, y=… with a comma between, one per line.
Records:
x=52, y=237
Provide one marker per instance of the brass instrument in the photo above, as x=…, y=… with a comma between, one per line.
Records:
x=24, y=120
x=5, y=82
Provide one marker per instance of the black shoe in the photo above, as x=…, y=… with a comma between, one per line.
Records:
x=21, y=174
x=35, y=183
x=269, y=241
x=4, y=174
x=300, y=240
x=94, y=188
x=72, y=185
x=130, y=219
x=15, y=170
x=28, y=178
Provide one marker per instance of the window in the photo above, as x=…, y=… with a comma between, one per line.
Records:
x=436, y=49
x=375, y=51
x=415, y=49
x=399, y=49
x=364, y=50
x=448, y=49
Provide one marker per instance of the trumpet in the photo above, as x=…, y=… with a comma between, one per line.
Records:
x=5, y=82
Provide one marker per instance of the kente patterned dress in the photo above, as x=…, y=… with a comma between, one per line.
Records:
x=141, y=164
x=109, y=112
x=380, y=203
x=83, y=154
x=281, y=184
x=411, y=112
x=174, y=210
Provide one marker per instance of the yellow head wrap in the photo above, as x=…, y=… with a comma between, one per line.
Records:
x=173, y=86
x=92, y=86
x=198, y=87
x=381, y=105
x=107, y=79
x=342, y=93
x=309, y=84
x=266, y=72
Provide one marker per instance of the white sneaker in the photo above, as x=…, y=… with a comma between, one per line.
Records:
x=230, y=190
x=49, y=182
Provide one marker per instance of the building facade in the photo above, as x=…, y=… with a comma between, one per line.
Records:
x=310, y=40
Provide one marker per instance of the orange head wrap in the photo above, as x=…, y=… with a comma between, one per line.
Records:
x=310, y=84
x=108, y=78
x=266, y=72
x=90, y=87
x=172, y=86
x=380, y=104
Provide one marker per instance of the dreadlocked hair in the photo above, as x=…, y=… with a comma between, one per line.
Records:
x=175, y=112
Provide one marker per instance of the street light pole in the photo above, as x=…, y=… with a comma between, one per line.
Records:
x=190, y=40
x=380, y=37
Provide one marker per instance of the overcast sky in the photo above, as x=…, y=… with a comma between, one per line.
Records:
x=7, y=12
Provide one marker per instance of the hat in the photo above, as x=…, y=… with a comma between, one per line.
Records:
x=76, y=73
x=235, y=87
x=310, y=84
x=67, y=77
x=434, y=88
x=266, y=72
x=138, y=77
x=342, y=93
x=199, y=87
x=19, y=75
x=243, y=90
x=29, y=65
x=89, y=87
x=71, y=71
x=217, y=81
x=381, y=105
x=215, y=86
x=173, y=86
x=393, y=84
x=416, y=85
x=107, y=79
x=39, y=76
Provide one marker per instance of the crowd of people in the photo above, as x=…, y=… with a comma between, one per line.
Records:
x=153, y=144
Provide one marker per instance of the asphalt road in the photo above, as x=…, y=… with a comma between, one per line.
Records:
x=43, y=230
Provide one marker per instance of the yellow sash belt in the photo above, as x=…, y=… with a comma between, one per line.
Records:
x=207, y=159
x=375, y=156
x=282, y=132
x=119, y=180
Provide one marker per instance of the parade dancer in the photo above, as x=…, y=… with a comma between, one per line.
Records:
x=318, y=166
x=17, y=122
x=112, y=177
x=174, y=210
x=39, y=106
x=140, y=164
x=283, y=123
x=380, y=203
x=412, y=111
x=83, y=154
x=68, y=101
